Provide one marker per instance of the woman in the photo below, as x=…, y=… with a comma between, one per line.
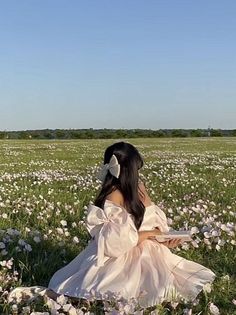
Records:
x=124, y=256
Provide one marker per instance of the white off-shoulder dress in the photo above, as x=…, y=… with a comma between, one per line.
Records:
x=114, y=262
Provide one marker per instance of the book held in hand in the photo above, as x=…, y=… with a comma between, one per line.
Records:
x=183, y=235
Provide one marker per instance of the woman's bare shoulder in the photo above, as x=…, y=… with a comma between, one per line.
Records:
x=116, y=197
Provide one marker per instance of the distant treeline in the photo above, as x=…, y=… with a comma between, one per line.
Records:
x=113, y=133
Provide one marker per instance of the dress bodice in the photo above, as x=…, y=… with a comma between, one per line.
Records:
x=114, y=230
x=153, y=217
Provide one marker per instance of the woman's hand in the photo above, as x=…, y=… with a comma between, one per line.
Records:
x=174, y=242
x=150, y=234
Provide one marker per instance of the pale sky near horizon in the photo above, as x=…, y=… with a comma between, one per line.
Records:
x=152, y=64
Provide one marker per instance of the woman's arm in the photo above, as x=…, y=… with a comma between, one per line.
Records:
x=143, y=195
x=146, y=200
x=143, y=235
x=150, y=234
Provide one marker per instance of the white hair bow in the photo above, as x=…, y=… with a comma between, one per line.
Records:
x=113, y=167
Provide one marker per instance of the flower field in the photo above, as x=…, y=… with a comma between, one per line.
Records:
x=46, y=186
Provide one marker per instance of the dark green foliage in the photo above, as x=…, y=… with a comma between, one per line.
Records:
x=114, y=133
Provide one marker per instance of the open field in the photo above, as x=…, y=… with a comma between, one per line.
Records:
x=45, y=187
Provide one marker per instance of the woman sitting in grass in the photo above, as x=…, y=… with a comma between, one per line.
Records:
x=124, y=256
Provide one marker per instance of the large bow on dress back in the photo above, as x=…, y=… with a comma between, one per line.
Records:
x=113, y=229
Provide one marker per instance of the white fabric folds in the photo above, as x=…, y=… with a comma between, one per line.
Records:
x=113, y=229
x=114, y=261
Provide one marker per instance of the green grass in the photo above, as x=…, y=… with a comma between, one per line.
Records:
x=43, y=182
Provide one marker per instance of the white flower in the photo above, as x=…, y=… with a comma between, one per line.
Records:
x=217, y=247
x=195, y=244
x=37, y=239
x=207, y=287
x=226, y=277
x=52, y=305
x=185, y=246
x=62, y=299
x=214, y=309
x=207, y=235
x=63, y=222
x=75, y=239
x=7, y=263
x=60, y=231
x=173, y=304
x=224, y=227
x=40, y=290
x=71, y=310
x=14, y=307
x=15, y=296
x=67, y=233
x=28, y=247
x=215, y=233
x=194, y=230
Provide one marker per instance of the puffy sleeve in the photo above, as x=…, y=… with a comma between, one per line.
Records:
x=155, y=217
x=113, y=229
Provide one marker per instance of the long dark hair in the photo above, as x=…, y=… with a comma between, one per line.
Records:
x=130, y=162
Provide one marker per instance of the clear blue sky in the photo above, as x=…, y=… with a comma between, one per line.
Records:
x=117, y=64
